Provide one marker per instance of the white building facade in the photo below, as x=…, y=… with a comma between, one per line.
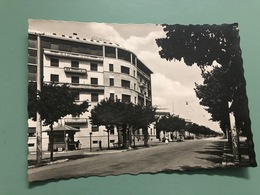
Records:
x=97, y=70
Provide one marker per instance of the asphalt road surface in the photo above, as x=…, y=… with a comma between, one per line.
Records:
x=190, y=154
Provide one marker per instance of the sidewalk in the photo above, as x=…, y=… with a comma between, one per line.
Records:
x=228, y=158
x=64, y=156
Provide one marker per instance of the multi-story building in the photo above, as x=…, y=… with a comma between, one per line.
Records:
x=96, y=69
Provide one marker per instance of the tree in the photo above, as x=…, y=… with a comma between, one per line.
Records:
x=170, y=123
x=203, y=45
x=106, y=113
x=123, y=115
x=214, y=95
x=200, y=130
x=112, y=113
x=141, y=118
x=54, y=102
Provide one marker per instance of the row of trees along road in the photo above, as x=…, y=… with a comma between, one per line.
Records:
x=127, y=117
x=173, y=123
x=53, y=102
x=203, y=45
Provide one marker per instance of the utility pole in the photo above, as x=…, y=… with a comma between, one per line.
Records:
x=90, y=141
x=38, y=116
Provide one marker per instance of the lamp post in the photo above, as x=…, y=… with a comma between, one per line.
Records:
x=38, y=116
x=90, y=141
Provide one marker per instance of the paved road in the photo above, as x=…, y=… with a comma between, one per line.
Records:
x=204, y=153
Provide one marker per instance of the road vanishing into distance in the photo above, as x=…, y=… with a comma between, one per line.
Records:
x=190, y=154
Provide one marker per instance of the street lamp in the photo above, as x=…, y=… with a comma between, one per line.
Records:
x=90, y=141
x=38, y=116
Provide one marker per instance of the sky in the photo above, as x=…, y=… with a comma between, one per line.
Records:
x=173, y=82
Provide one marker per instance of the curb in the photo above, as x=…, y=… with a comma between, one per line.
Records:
x=99, y=153
x=48, y=163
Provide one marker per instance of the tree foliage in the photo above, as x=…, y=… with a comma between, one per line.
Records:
x=214, y=95
x=122, y=114
x=200, y=44
x=170, y=123
x=53, y=102
x=200, y=130
x=203, y=45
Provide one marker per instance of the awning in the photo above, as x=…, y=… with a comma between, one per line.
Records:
x=66, y=128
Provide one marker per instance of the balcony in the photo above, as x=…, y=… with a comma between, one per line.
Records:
x=75, y=120
x=139, y=71
x=73, y=55
x=86, y=86
x=142, y=85
x=75, y=70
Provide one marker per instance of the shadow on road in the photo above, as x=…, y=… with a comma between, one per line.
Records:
x=213, y=153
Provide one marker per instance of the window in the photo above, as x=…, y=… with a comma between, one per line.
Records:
x=125, y=83
x=112, y=141
x=133, y=59
x=112, y=130
x=54, y=46
x=93, y=67
x=124, y=70
x=76, y=95
x=74, y=79
x=94, y=97
x=112, y=96
x=95, y=128
x=111, y=67
x=32, y=69
x=95, y=142
x=32, y=59
x=134, y=86
x=32, y=43
x=110, y=52
x=111, y=82
x=126, y=98
x=75, y=64
x=32, y=52
x=124, y=55
x=94, y=81
x=32, y=132
x=30, y=144
x=55, y=62
x=134, y=73
x=54, y=78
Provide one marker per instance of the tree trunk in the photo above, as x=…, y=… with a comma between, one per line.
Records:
x=51, y=142
x=124, y=136
x=146, y=136
x=108, y=140
x=118, y=136
x=228, y=127
x=130, y=136
x=134, y=137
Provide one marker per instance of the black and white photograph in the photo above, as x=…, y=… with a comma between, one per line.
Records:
x=107, y=99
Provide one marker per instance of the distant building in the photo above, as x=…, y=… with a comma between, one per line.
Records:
x=160, y=112
x=97, y=69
